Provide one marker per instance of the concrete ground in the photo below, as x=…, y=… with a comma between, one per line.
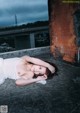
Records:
x=61, y=94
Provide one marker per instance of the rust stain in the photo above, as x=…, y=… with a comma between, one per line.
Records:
x=62, y=32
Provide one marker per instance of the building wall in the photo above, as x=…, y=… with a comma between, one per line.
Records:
x=22, y=42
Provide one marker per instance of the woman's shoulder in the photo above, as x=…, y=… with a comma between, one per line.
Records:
x=23, y=60
x=25, y=56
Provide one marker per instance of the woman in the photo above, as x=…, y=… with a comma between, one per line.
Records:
x=25, y=70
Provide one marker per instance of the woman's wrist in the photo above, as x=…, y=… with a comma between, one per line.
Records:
x=39, y=78
x=47, y=65
x=51, y=68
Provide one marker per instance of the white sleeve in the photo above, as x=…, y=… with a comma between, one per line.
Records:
x=42, y=82
x=2, y=81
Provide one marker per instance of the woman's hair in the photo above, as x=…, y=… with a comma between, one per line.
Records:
x=48, y=72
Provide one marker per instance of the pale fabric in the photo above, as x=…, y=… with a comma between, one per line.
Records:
x=8, y=69
x=42, y=82
x=2, y=78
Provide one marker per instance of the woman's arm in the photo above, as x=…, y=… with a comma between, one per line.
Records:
x=35, y=61
x=39, y=62
x=22, y=82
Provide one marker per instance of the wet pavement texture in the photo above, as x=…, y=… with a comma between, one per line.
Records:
x=61, y=94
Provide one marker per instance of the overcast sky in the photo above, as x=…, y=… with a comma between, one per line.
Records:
x=25, y=11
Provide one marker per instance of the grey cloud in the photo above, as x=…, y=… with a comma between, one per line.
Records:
x=25, y=9
x=33, y=18
x=27, y=12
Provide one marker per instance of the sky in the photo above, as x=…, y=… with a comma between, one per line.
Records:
x=26, y=11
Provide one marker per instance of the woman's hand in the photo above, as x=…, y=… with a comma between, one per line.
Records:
x=41, y=78
x=51, y=68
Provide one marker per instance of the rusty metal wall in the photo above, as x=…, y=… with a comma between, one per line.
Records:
x=62, y=31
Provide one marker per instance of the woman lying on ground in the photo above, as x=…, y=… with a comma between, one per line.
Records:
x=25, y=70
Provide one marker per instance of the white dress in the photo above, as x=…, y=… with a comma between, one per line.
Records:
x=8, y=69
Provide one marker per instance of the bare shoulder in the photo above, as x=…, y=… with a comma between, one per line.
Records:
x=26, y=56
x=24, y=59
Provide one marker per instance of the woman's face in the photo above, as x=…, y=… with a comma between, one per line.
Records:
x=38, y=69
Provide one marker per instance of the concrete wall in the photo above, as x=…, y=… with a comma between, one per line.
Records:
x=30, y=52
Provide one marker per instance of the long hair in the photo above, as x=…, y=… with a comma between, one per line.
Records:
x=48, y=72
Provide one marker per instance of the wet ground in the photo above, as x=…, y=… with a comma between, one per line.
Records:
x=61, y=94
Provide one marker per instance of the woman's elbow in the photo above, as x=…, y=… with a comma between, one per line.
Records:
x=18, y=83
